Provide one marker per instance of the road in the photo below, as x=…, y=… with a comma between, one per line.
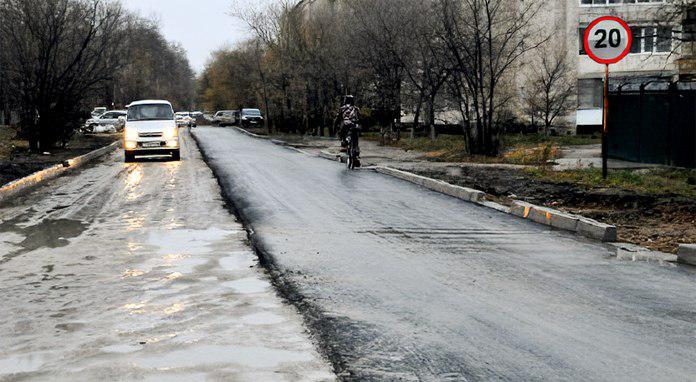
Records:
x=401, y=283
x=138, y=272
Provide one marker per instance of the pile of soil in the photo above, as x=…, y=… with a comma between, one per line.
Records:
x=20, y=162
x=656, y=222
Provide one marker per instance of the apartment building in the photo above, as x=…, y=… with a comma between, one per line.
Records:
x=656, y=55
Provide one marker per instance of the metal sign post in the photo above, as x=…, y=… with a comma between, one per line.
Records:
x=605, y=130
x=607, y=41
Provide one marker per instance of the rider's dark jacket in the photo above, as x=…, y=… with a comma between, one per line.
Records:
x=349, y=114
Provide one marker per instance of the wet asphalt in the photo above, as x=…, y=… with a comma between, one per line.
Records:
x=138, y=272
x=401, y=283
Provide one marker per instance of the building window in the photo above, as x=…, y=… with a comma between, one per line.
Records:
x=583, y=52
x=590, y=93
x=589, y=3
x=646, y=39
x=650, y=39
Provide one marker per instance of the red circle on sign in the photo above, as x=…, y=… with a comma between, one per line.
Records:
x=586, y=40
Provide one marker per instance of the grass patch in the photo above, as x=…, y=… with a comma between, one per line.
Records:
x=446, y=148
x=7, y=141
x=680, y=182
x=538, y=155
x=535, y=140
x=530, y=150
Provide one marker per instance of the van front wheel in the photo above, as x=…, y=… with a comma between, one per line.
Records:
x=176, y=155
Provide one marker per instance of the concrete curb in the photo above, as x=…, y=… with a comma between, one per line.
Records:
x=21, y=185
x=250, y=133
x=541, y=215
x=458, y=192
x=632, y=252
x=687, y=254
x=333, y=157
x=561, y=220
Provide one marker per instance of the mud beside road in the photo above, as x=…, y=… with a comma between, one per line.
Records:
x=656, y=222
x=16, y=161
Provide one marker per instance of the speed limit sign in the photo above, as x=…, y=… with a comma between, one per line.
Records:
x=607, y=41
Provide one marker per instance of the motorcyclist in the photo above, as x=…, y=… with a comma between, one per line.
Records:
x=348, y=118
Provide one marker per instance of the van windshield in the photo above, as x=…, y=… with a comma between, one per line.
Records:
x=150, y=113
x=251, y=112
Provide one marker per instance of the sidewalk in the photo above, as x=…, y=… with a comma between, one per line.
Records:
x=590, y=156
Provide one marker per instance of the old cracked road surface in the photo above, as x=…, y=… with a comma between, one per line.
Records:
x=137, y=272
x=405, y=284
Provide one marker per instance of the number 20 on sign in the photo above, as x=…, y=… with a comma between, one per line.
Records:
x=607, y=41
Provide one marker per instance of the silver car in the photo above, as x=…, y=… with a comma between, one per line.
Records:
x=225, y=118
x=106, y=122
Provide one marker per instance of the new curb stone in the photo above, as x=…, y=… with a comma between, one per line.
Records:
x=561, y=220
x=250, y=133
x=628, y=251
x=463, y=193
x=687, y=254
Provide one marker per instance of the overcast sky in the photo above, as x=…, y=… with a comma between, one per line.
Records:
x=201, y=26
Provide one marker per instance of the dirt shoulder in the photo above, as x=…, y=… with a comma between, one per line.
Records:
x=656, y=221
x=17, y=162
x=654, y=207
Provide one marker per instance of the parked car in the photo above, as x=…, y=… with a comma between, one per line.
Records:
x=184, y=118
x=107, y=122
x=151, y=130
x=225, y=118
x=98, y=111
x=251, y=118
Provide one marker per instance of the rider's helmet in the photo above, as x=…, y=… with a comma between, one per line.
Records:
x=349, y=100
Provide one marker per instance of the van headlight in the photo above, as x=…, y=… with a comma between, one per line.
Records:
x=170, y=132
x=131, y=134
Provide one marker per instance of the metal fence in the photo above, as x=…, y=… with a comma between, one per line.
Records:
x=654, y=124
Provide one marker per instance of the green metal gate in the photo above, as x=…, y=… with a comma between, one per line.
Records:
x=648, y=126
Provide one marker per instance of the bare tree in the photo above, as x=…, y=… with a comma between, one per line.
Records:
x=379, y=44
x=58, y=52
x=678, y=19
x=485, y=40
x=425, y=61
x=150, y=67
x=549, y=90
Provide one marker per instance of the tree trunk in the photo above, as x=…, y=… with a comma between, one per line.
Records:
x=431, y=118
x=416, y=118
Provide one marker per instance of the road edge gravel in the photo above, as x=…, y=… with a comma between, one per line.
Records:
x=313, y=316
x=14, y=188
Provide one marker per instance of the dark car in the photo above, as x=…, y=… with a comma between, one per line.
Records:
x=251, y=118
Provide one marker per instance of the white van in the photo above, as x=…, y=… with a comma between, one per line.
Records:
x=151, y=130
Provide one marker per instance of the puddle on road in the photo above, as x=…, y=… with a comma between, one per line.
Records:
x=263, y=318
x=132, y=273
x=48, y=233
x=122, y=349
x=186, y=241
x=70, y=327
x=257, y=357
x=238, y=261
x=248, y=285
x=178, y=377
x=23, y=363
